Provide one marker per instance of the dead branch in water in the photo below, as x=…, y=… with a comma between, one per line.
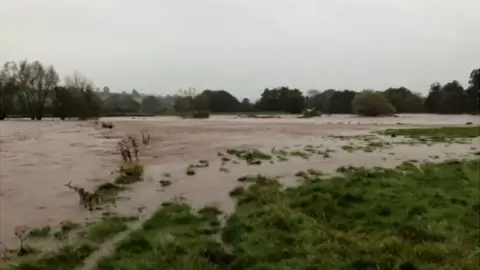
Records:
x=87, y=199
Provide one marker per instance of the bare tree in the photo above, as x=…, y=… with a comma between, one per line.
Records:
x=185, y=100
x=33, y=81
x=47, y=80
x=8, y=76
x=20, y=76
x=79, y=82
x=90, y=101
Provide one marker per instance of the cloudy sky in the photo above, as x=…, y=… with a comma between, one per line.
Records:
x=244, y=46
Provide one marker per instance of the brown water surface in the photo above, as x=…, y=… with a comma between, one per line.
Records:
x=38, y=158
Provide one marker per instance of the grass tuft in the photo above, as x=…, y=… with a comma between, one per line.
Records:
x=39, y=232
x=130, y=174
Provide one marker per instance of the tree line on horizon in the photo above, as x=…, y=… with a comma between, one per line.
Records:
x=33, y=90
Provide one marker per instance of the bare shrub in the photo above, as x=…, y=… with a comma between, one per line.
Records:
x=21, y=233
x=134, y=147
x=127, y=148
x=124, y=150
x=145, y=137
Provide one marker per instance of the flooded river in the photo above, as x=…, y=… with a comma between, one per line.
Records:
x=38, y=158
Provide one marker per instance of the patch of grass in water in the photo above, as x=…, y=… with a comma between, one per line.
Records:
x=253, y=178
x=130, y=174
x=224, y=170
x=443, y=134
x=251, y=156
x=349, y=148
x=39, y=232
x=279, y=152
x=302, y=154
x=200, y=164
x=190, y=171
x=108, y=192
x=165, y=183
x=238, y=191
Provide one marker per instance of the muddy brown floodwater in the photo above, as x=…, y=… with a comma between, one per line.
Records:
x=38, y=158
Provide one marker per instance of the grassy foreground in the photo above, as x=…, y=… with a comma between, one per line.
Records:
x=411, y=217
x=73, y=252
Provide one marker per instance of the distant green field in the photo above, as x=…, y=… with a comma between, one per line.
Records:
x=437, y=134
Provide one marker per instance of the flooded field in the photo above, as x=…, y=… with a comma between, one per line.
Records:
x=37, y=159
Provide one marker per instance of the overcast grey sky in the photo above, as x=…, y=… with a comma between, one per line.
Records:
x=244, y=46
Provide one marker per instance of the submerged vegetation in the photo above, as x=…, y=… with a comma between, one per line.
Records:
x=442, y=134
x=416, y=216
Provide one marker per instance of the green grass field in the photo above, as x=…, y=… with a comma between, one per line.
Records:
x=410, y=217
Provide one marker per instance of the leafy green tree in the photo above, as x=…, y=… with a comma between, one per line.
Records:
x=432, y=101
x=452, y=99
x=220, y=101
x=246, y=105
x=135, y=93
x=473, y=91
x=151, y=105
x=120, y=104
x=370, y=103
x=167, y=102
x=339, y=102
x=282, y=99
x=472, y=100
x=475, y=78
x=320, y=100
x=404, y=100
